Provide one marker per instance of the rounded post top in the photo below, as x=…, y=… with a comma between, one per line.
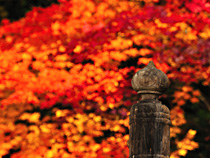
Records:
x=150, y=80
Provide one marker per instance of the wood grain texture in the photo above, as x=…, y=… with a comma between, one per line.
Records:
x=149, y=118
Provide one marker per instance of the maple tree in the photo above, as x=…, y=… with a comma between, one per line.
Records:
x=65, y=75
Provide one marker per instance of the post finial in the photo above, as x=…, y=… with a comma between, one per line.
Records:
x=150, y=80
x=151, y=64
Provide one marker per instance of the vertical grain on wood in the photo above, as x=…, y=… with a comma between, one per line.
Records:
x=149, y=118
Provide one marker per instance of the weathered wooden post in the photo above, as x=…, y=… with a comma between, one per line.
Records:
x=149, y=118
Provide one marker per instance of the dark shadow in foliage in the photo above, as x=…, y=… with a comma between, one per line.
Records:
x=16, y=9
x=198, y=116
x=11, y=151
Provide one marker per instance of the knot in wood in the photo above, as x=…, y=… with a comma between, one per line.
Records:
x=150, y=80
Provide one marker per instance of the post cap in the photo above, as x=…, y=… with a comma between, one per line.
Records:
x=150, y=80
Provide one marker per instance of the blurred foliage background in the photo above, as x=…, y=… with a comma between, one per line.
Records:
x=197, y=114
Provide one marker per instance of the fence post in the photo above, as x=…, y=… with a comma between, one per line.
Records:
x=149, y=118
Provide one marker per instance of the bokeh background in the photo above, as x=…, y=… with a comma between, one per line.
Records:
x=66, y=67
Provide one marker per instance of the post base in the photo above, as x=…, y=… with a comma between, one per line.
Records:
x=149, y=156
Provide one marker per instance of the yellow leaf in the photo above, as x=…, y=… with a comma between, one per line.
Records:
x=33, y=118
x=160, y=24
x=50, y=154
x=192, y=132
x=62, y=49
x=97, y=118
x=95, y=147
x=26, y=56
x=103, y=108
x=144, y=61
x=182, y=152
x=77, y=49
x=55, y=26
x=144, y=52
x=111, y=105
x=106, y=149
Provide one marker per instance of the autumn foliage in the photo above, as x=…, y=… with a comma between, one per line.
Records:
x=65, y=75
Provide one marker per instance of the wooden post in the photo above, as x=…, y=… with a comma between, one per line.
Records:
x=149, y=118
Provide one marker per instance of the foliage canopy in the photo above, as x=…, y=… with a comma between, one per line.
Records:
x=65, y=76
